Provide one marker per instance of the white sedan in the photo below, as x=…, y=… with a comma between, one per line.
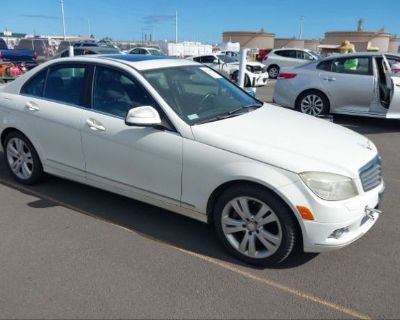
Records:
x=256, y=74
x=175, y=134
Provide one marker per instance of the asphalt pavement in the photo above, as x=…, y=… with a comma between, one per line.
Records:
x=72, y=251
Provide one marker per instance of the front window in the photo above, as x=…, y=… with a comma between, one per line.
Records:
x=353, y=65
x=115, y=93
x=199, y=94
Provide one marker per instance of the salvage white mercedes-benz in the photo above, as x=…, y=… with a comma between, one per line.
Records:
x=178, y=135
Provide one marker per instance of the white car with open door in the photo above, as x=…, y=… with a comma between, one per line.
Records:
x=178, y=135
x=361, y=84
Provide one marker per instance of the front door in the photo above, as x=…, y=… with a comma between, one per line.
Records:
x=350, y=84
x=138, y=160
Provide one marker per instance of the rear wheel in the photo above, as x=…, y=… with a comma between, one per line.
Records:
x=254, y=225
x=273, y=71
x=22, y=159
x=313, y=103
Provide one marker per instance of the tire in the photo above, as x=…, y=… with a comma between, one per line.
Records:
x=247, y=82
x=273, y=71
x=235, y=78
x=313, y=103
x=260, y=240
x=22, y=159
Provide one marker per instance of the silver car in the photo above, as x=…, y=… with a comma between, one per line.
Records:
x=360, y=84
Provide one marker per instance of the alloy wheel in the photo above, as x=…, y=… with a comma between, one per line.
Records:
x=20, y=159
x=312, y=105
x=251, y=227
x=273, y=73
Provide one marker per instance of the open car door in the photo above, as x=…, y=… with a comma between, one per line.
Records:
x=393, y=84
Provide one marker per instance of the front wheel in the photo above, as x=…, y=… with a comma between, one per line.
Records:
x=254, y=225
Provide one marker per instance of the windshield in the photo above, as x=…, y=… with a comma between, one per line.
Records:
x=199, y=94
x=227, y=59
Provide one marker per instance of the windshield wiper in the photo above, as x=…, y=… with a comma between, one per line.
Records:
x=248, y=107
x=230, y=114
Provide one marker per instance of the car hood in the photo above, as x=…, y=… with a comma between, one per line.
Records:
x=289, y=140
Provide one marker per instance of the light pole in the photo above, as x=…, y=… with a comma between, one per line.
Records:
x=63, y=17
x=301, y=27
x=176, y=26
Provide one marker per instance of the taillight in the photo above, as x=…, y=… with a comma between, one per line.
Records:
x=35, y=56
x=287, y=76
x=1, y=56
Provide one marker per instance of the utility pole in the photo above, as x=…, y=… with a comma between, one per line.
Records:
x=89, y=27
x=176, y=27
x=63, y=17
x=301, y=27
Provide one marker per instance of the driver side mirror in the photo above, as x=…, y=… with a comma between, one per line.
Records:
x=145, y=116
x=217, y=61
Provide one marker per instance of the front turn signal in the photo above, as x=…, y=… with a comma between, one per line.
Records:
x=306, y=213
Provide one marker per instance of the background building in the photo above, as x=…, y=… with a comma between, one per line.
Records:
x=251, y=40
x=363, y=40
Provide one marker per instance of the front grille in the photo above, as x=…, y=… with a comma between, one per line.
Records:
x=371, y=174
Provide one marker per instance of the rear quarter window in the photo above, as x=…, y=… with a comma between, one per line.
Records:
x=35, y=86
x=325, y=65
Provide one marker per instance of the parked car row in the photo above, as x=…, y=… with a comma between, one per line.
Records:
x=255, y=74
x=177, y=134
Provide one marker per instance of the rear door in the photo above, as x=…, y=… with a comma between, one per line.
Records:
x=287, y=58
x=51, y=106
x=349, y=82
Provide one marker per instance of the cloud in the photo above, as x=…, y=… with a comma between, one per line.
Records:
x=157, y=18
x=39, y=16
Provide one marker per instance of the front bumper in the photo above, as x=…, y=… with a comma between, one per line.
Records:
x=338, y=224
x=260, y=80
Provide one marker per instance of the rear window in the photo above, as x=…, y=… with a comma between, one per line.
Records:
x=325, y=65
x=286, y=53
x=25, y=44
x=35, y=86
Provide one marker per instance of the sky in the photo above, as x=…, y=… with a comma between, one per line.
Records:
x=199, y=20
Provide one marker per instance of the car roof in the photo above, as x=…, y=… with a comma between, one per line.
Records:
x=356, y=54
x=147, y=48
x=284, y=48
x=103, y=48
x=140, y=62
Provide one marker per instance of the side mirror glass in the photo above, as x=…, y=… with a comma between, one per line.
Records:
x=145, y=116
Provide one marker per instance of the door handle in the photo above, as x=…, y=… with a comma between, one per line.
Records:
x=95, y=125
x=31, y=106
x=330, y=79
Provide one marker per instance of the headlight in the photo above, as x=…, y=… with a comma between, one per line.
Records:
x=329, y=186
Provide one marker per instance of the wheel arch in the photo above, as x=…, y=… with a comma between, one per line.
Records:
x=220, y=189
x=310, y=90
x=8, y=130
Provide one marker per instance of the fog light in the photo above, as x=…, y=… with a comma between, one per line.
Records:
x=337, y=234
